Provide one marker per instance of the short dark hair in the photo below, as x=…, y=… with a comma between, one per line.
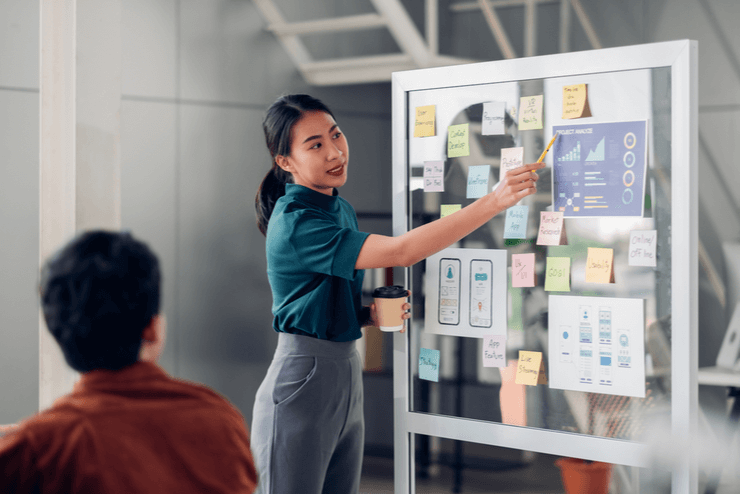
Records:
x=98, y=293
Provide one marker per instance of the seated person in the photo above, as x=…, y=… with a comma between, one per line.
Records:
x=127, y=427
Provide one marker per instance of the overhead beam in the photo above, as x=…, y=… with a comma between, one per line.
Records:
x=404, y=30
x=471, y=6
x=297, y=51
x=335, y=24
x=494, y=23
x=585, y=20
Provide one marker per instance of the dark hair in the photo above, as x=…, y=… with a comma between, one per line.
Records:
x=98, y=293
x=277, y=125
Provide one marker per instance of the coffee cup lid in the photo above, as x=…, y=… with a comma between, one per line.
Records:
x=394, y=291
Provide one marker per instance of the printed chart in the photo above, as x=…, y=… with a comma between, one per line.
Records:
x=599, y=169
x=466, y=293
x=597, y=344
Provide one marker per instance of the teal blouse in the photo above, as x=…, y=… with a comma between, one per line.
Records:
x=312, y=246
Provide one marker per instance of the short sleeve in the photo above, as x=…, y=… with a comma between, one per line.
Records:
x=323, y=246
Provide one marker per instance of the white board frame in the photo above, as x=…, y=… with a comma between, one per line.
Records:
x=682, y=58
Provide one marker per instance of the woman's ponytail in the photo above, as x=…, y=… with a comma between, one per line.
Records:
x=271, y=189
x=277, y=125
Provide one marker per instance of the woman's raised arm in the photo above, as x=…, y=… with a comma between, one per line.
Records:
x=380, y=251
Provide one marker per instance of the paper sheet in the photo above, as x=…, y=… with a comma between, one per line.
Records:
x=642, y=248
x=434, y=176
x=493, y=121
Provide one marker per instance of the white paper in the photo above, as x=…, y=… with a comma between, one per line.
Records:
x=434, y=176
x=642, y=248
x=596, y=344
x=493, y=118
x=494, y=351
x=466, y=293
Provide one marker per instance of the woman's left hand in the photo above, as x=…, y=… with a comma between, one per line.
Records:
x=374, y=313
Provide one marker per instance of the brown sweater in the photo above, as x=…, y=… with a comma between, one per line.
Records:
x=136, y=430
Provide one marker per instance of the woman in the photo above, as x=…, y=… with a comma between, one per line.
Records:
x=308, y=426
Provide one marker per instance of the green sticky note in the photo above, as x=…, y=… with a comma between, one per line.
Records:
x=457, y=141
x=447, y=209
x=557, y=274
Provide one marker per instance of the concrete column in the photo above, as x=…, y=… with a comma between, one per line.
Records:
x=79, y=142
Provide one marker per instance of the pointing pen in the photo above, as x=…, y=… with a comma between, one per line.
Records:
x=542, y=156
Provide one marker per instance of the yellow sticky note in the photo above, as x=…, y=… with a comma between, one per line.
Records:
x=600, y=265
x=457, y=141
x=575, y=101
x=557, y=274
x=530, y=112
x=448, y=209
x=529, y=368
x=424, y=125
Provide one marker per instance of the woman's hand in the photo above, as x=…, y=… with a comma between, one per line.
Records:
x=406, y=314
x=517, y=184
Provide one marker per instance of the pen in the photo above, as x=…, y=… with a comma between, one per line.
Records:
x=542, y=156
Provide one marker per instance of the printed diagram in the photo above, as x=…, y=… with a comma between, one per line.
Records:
x=599, y=169
x=449, y=291
x=480, y=293
x=610, y=333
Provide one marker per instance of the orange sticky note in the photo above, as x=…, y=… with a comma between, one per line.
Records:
x=522, y=270
x=600, y=265
x=552, y=229
x=424, y=124
x=575, y=101
x=529, y=368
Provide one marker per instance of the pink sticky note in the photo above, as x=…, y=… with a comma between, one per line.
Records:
x=552, y=228
x=494, y=351
x=522, y=270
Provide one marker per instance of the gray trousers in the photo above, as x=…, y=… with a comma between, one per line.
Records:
x=308, y=428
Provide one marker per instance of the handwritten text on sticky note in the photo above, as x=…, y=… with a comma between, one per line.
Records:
x=434, y=176
x=530, y=112
x=493, y=118
x=494, y=351
x=477, y=181
x=530, y=369
x=458, y=141
x=429, y=364
x=522, y=270
x=557, y=274
x=511, y=158
x=642, y=248
x=600, y=265
x=448, y=209
x=575, y=101
x=425, y=126
x=515, y=225
x=552, y=230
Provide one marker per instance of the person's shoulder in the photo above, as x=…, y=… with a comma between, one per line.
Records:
x=208, y=396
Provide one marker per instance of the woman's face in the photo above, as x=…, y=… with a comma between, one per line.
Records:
x=319, y=153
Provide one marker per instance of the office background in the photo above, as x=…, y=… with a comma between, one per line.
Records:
x=197, y=76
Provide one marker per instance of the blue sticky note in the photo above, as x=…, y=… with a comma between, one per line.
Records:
x=429, y=365
x=478, y=181
x=516, y=222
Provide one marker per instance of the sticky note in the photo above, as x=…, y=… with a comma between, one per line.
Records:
x=552, y=229
x=429, y=364
x=457, y=141
x=522, y=270
x=516, y=222
x=434, y=176
x=448, y=209
x=530, y=369
x=424, y=125
x=530, y=112
x=493, y=122
x=600, y=265
x=557, y=274
x=642, y=248
x=477, y=181
x=510, y=158
x=494, y=351
x=575, y=101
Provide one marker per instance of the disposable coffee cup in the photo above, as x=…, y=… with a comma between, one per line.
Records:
x=389, y=302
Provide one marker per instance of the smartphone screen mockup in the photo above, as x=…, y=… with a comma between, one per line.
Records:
x=449, y=291
x=481, y=286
